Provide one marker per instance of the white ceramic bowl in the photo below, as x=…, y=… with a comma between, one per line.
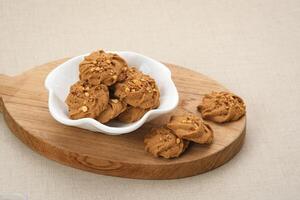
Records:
x=59, y=80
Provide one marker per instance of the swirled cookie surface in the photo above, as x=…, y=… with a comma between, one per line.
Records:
x=162, y=142
x=222, y=107
x=191, y=127
x=102, y=68
x=85, y=100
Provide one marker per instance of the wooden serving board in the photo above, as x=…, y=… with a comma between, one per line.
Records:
x=23, y=101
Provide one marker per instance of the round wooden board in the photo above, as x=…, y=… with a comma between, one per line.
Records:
x=23, y=101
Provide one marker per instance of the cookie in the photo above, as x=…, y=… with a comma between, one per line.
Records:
x=85, y=100
x=138, y=90
x=114, y=108
x=222, y=107
x=162, y=142
x=102, y=68
x=192, y=128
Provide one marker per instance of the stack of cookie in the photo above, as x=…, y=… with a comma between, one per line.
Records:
x=108, y=89
x=172, y=140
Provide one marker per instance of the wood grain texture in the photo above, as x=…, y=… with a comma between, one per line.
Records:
x=23, y=101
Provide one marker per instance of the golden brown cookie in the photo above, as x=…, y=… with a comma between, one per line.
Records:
x=114, y=108
x=138, y=90
x=85, y=100
x=102, y=68
x=162, y=142
x=222, y=107
x=132, y=114
x=191, y=127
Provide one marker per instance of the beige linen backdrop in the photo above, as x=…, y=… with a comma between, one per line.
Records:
x=252, y=47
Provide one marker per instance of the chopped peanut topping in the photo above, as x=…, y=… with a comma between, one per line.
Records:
x=127, y=89
x=84, y=109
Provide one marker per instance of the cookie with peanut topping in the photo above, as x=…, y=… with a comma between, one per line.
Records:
x=222, y=107
x=138, y=90
x=102, y=68
x=191, y=127
x=162, y=142
x=85, y=100
x=114, y=108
